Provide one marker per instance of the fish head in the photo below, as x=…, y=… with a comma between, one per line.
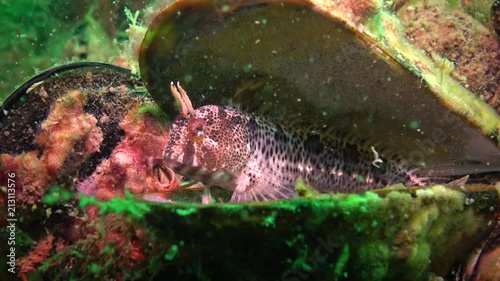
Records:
x=212, y=145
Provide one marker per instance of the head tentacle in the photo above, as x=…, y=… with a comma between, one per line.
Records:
x=182, y=99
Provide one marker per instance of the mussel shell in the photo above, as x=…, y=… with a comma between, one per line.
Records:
x=26, y=108
x=393, y=237
x=289, y=62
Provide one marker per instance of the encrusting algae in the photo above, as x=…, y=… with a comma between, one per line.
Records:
x=66, y=127
x=397, y=236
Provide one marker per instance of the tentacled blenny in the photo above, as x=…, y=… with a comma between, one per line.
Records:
x=259, y=160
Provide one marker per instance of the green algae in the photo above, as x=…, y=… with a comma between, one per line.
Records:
x=125, y=206
x=341, y=264
x=391, y=234
x=186, y=212
x=95, y=268
x=56, y=195
x=304, y=190
x=375, y=256
x=172, y=252
x=152, y=109
x=386, y=29
x=270, y=220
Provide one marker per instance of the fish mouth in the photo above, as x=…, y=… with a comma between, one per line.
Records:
x=200, y=173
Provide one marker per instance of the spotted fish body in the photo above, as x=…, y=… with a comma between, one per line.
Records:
x=259, y=160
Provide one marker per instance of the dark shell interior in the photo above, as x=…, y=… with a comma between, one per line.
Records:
x=291, y=63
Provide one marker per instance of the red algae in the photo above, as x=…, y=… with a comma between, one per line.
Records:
x=453, y=34
x=145, y=139
x=354, y=11
x=131, y=162
x=31, y=172
x=38, y=255
x=68, y=137
x=360, y=9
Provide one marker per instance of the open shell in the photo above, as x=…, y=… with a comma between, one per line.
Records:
x=313, y=70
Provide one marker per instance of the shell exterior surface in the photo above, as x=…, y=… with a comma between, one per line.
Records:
x=292, y=64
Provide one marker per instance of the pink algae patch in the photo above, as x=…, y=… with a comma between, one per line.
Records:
x=68, y=137
x=38, y=255
x=130, y=166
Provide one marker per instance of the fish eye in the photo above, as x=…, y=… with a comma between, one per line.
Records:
x=196, y=128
